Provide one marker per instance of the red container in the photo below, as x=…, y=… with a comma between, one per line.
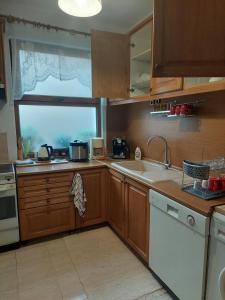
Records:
x=215, y=184
x=223, y=183
x=172, y=109
x=177, y=111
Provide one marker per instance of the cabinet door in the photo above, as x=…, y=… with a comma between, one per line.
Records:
x=165, y=85
x=189, y=38
x=94, y=188
x=110, y=64
x=2, y=64
x=46, y=220
x=116, y=205
x=137, y=218
x=140, y=61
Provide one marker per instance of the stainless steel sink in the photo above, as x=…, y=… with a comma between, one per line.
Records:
x=148, y=171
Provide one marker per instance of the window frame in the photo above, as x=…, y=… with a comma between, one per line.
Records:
x=56, y=101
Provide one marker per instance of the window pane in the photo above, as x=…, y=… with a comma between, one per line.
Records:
x=55, y=125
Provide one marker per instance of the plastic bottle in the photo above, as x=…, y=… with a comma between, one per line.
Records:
x=138, y=153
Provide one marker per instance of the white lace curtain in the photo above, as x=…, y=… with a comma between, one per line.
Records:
x=33, y=62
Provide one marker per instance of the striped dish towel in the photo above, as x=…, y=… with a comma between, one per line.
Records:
x=77, y=190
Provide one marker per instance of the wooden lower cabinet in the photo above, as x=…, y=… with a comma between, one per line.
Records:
x=137, y=217
x=46, y=205
x=95, y=188
x=116, y=203
x=128, y=212
x=46, y=220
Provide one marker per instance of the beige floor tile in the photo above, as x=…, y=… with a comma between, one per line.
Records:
x=57, y=246
x=159, y=295
x=7, y=260
x=62, y=263
x=70, y=286
x=8, y=280
x=33, y=273
x=93, y=265
x=32, y=253
x=46, y=290
x=123, y=288
x=10, y=295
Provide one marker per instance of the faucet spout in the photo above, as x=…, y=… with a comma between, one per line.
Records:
x=166, y=162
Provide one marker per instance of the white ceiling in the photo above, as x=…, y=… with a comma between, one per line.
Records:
x=116, y=15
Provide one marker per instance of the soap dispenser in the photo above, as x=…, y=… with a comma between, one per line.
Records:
x=138, y=153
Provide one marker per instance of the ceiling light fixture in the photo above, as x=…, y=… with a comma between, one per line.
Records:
x=80, y=8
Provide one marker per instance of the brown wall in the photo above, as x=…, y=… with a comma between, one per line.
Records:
x=201, y=137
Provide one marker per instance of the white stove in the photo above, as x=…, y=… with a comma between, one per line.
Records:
x=9, y=226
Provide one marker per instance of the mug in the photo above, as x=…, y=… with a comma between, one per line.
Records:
x=177, y=110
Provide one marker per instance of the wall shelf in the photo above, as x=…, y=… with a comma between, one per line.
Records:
x=144, y=56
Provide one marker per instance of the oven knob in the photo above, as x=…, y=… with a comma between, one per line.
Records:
x=191, y=220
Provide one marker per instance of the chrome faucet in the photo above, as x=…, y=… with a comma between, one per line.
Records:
x=166, y=163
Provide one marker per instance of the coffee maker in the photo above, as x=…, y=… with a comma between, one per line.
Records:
x=97, y=148
x=120, y=148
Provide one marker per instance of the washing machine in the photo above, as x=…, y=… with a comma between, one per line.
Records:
x=215, y=287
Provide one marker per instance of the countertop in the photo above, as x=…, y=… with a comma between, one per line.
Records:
x=70, y=166
x=168, y=188
x=172, y=190
x=220, y=209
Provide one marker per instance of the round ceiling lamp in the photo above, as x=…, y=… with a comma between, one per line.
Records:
x=81, y=8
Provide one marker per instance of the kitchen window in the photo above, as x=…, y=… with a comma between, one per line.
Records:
x=56, y=122
x=52, y=91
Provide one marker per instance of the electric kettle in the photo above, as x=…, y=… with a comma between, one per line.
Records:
x=45, y=153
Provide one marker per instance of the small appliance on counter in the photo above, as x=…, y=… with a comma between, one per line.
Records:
x=45, y=153
x=79, y=151
x=61, y=153
x=120, y=149
x=97, y=149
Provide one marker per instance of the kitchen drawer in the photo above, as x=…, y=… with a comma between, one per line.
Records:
x=34, y=180
x=60, y=177
x=48, y=188
x=31, y=202
x=38, y=201
x=31, y=180
x=43, y=221
x=32, y=191
x=60, y=198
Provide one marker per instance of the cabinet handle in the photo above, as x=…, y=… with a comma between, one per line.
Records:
x=150, y=90
x=132, y=45
x=131, y=90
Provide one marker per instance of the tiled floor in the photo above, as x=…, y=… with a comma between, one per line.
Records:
x=93, y=265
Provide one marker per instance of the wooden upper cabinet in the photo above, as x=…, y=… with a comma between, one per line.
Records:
x=140, y=60
x=165, y=85
x=110, y=64
x=2, y=64
x=189, y=38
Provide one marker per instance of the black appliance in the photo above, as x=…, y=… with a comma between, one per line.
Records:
x=61, y=153
x=120, y=148
x=79, y=151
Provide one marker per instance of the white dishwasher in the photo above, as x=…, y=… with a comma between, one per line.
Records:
x=178, y=246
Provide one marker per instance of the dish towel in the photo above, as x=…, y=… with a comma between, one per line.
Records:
x=77, y=190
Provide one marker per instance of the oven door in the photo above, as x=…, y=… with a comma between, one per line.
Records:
x=8, y=207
